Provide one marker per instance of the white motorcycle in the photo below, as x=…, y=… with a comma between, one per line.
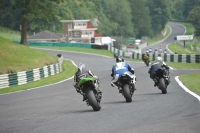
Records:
x=127, y=84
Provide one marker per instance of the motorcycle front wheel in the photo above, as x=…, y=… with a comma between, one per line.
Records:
x=93, y=101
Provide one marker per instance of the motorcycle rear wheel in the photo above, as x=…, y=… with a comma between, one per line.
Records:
x=93, y=101
x=127, y=93
x=162, y=86
x=147, y=62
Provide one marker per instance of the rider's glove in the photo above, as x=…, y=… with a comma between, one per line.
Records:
x=112, y=75
x=95, y=77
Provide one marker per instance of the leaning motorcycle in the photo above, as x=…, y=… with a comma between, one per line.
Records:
x=127, y=83
x=163, y=80
x=87, y=86
x=146, y=60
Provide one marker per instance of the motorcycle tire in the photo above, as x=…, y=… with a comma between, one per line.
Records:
x=93, y=101
x=127, y=93
x=147, y=62
x=162, y=86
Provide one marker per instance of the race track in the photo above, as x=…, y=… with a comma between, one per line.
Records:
x=59, y=108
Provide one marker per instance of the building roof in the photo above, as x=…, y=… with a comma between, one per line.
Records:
x=74, y=21
x=48, y=35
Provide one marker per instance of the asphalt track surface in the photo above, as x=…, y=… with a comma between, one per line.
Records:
x=59, y=108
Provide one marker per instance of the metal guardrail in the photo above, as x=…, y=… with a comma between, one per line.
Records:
x=25, y=77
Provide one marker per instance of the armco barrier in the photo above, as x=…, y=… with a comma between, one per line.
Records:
x=25, y=77
x=66, y=44
x=166, y=57
x=58, y=44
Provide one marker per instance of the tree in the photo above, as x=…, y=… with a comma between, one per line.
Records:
x=62, y=12
x=33, y=9
x=160, y=13
x=120, y=12
x=141, y=18
x=194, y=18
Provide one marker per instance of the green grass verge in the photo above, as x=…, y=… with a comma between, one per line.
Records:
x=191, y=81
x=68, y=71
x=179, y=65
x=16, y=58
x=175, y=47
x=9, y=33
x=85, y=50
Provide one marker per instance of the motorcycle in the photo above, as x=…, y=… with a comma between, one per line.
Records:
x=127, y=84
x=146, y=60
x=163, y=80
x=87, y=86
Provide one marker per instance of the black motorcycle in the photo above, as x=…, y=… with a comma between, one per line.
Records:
x=163, y=80
x=127, y=84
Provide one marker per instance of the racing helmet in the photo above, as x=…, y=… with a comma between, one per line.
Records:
x=81, y=67
x=159, y=58
x=119, y=59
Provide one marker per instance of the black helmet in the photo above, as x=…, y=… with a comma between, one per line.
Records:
x=118, y=59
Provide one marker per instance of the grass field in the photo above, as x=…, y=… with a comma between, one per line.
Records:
x=191, y=81
x=175, y=47
x=9, y=33
x=15, y=58
x=85, y=50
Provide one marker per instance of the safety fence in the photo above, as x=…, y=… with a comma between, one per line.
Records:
x=66, y=44
x=166, y=57
x=24, y=77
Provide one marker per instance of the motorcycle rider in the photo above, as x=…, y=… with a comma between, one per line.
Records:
x=83, y=71
x=118, y=70
x=156, y=65
x=145, y=56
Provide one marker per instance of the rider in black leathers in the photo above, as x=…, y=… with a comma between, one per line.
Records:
x=82, y=70
x=156, y=65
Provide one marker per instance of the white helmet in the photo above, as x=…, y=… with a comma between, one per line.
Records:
x=159, y=58
x=81, y=67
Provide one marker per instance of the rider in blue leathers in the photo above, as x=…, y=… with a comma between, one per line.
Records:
x=118, y=70
x=156, y=65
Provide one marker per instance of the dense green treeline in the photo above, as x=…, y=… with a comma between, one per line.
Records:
x=134, y=18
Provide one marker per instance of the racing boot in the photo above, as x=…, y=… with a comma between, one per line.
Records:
x=155, y=82
x=84, y=97
x=120, y=89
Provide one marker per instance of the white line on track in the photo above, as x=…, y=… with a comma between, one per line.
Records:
x=44, y=85
x=186, y=89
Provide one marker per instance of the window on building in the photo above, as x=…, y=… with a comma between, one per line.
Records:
x=69, y=25
x=70, y=34
x=76, y=33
